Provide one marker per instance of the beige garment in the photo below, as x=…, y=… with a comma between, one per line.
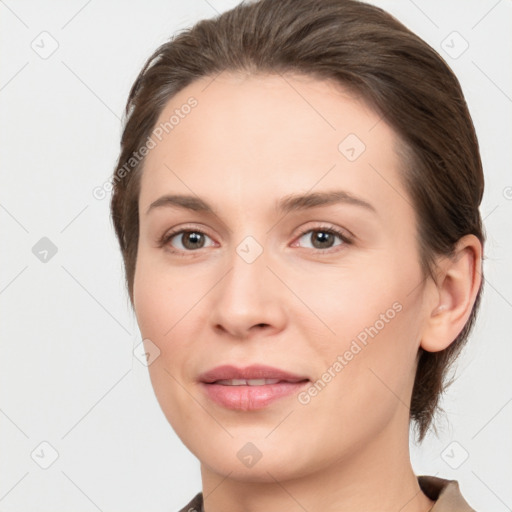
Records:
x=445, y=493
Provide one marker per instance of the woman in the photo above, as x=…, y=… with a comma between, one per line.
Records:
x=296, y=201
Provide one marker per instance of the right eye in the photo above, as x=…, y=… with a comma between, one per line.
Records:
x=188, y=240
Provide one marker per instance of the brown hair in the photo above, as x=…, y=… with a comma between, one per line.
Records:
x=367, y=50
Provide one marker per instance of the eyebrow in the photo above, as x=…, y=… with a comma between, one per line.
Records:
x=294, y=202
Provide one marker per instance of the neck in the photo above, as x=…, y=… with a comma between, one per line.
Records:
x=376, y=478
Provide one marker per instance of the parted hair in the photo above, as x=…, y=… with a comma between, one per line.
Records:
x=371, y=54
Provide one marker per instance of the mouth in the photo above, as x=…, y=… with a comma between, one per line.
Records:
x=251, y=382
x=251, y=388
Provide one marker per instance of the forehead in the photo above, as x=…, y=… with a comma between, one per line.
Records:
x=291, y=108
x=270, y=134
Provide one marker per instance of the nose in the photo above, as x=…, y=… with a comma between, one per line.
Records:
x=248, y=299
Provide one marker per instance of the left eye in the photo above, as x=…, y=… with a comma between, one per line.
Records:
x=321, y=239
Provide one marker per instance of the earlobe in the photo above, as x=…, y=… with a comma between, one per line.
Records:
x=454, y=295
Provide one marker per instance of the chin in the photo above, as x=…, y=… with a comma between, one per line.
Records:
x=245, y=462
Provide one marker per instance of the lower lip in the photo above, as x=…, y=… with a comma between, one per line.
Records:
x=249, y=398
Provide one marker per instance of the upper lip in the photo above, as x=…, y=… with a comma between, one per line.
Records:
x=255, y=371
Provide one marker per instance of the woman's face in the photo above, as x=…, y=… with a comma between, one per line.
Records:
x=267, y=261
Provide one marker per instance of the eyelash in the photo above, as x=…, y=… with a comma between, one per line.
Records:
x=346, y=239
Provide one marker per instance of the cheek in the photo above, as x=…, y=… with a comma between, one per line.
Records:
x=169, y=308
x=367, y=372
x=162, y=296
x=164, y=304
x=344, y=301
x=365, y=330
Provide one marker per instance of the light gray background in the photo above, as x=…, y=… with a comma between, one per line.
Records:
x=68, y=374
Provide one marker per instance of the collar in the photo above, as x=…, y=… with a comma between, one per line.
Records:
x=445, y=493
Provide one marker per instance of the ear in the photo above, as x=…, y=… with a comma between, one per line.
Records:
x=453, y=295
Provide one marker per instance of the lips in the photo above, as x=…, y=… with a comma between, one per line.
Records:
x=253, y=372
x=250, y=388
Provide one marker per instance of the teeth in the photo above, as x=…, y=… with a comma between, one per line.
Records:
x=247, y=382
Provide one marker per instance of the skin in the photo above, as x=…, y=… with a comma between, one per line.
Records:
x=250, y=142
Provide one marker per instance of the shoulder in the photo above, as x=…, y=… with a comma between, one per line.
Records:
x=195, y=505
x=446, y=494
